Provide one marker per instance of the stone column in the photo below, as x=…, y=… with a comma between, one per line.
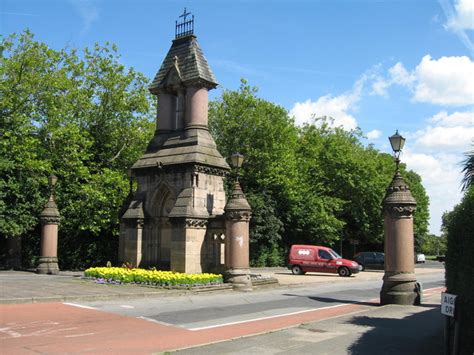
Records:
x=166, y=111
x=196, y=107
x=48, y=260
x=238, y=214
x=132, y=241
x=399, y=281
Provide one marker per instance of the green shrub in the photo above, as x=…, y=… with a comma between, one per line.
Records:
x=459, y=225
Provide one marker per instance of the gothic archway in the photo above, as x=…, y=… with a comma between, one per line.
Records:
x=157, y=233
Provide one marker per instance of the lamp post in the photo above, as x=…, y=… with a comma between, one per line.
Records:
x=238, y=212
x=48, y=260
x=399, y=281
x=397, y=142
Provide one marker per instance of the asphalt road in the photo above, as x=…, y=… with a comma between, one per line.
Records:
x=206, y=311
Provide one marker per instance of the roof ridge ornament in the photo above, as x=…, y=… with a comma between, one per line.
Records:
x=186, y=27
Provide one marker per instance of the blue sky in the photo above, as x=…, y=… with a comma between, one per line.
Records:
x=374, y=64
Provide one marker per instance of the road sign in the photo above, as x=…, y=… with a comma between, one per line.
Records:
x=448, y=304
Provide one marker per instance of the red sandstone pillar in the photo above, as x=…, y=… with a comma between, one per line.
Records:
x=399, y=281
x=48, y=260
x=196, y=107
x=238, y=214
x=166, y=111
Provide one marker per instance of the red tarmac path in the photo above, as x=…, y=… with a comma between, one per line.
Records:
x=62, y=328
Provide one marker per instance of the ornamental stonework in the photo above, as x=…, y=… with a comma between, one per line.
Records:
x=239, y=215
x=210, y=170
x=400, y=211
x=50, y=220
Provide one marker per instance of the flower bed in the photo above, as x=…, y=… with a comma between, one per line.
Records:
x=151, y=277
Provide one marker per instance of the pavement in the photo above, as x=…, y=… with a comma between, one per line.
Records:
x=355, y=328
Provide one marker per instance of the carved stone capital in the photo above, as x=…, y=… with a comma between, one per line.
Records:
x=210, y=170
x=187, y=222
x=400, y=211
x=239, y=215
x=195, y=223
x=50, y=219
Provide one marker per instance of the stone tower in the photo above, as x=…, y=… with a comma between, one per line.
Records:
x=175, y=219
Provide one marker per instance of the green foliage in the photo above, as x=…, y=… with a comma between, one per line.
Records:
x=316, y=184
x=468, y=170
x=264, y=134
x=459, y=228
x=86, y=119
x=421, y=215
x=434, y=245
x=266, y=230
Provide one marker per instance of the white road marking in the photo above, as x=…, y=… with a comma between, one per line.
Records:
x=158, y=322
x=78, y=335
x=10, y=332
x=264, y=318
x=77, y=305
x=126, y=306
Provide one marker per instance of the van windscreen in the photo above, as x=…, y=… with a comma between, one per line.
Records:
x=334, y=254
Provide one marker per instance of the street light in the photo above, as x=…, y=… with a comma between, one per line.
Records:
x=397, y=142
x=52, y=180
x=236, y=161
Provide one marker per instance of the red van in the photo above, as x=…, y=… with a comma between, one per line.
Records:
x=315, y=258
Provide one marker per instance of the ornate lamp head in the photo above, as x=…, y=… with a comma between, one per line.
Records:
x=397, y=142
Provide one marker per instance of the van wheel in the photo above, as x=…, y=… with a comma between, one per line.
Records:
x=362, y=267
x=344, y=272
x=297, y=270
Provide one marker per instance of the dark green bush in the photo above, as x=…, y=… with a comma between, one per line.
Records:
x=459, y=225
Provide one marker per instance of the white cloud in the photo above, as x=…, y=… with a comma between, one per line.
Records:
x=439, y=147
x=374, y=134
x=337, y=107
x=380, y=86
x=443, y=81
x=454, y=119
x=399, y=75
x=441, y=178
x=446, y=81
x=463, y=16
x=446, y=137
x=447, y=132
x=88, y=11
x=459, y=20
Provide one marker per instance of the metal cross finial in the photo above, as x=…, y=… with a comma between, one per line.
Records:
x=186, y=27
x=184, y=15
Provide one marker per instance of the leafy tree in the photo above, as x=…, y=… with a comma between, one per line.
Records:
x=459, y=228
x=262, y=131
x=349, y=173
x=434, y=245
x=85, y=118
x=421, y=215
x=468, y=171
x=314, y=184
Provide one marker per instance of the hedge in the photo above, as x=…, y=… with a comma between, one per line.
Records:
x=459, y=226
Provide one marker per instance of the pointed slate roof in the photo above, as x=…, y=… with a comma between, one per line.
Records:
x=192, y=64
